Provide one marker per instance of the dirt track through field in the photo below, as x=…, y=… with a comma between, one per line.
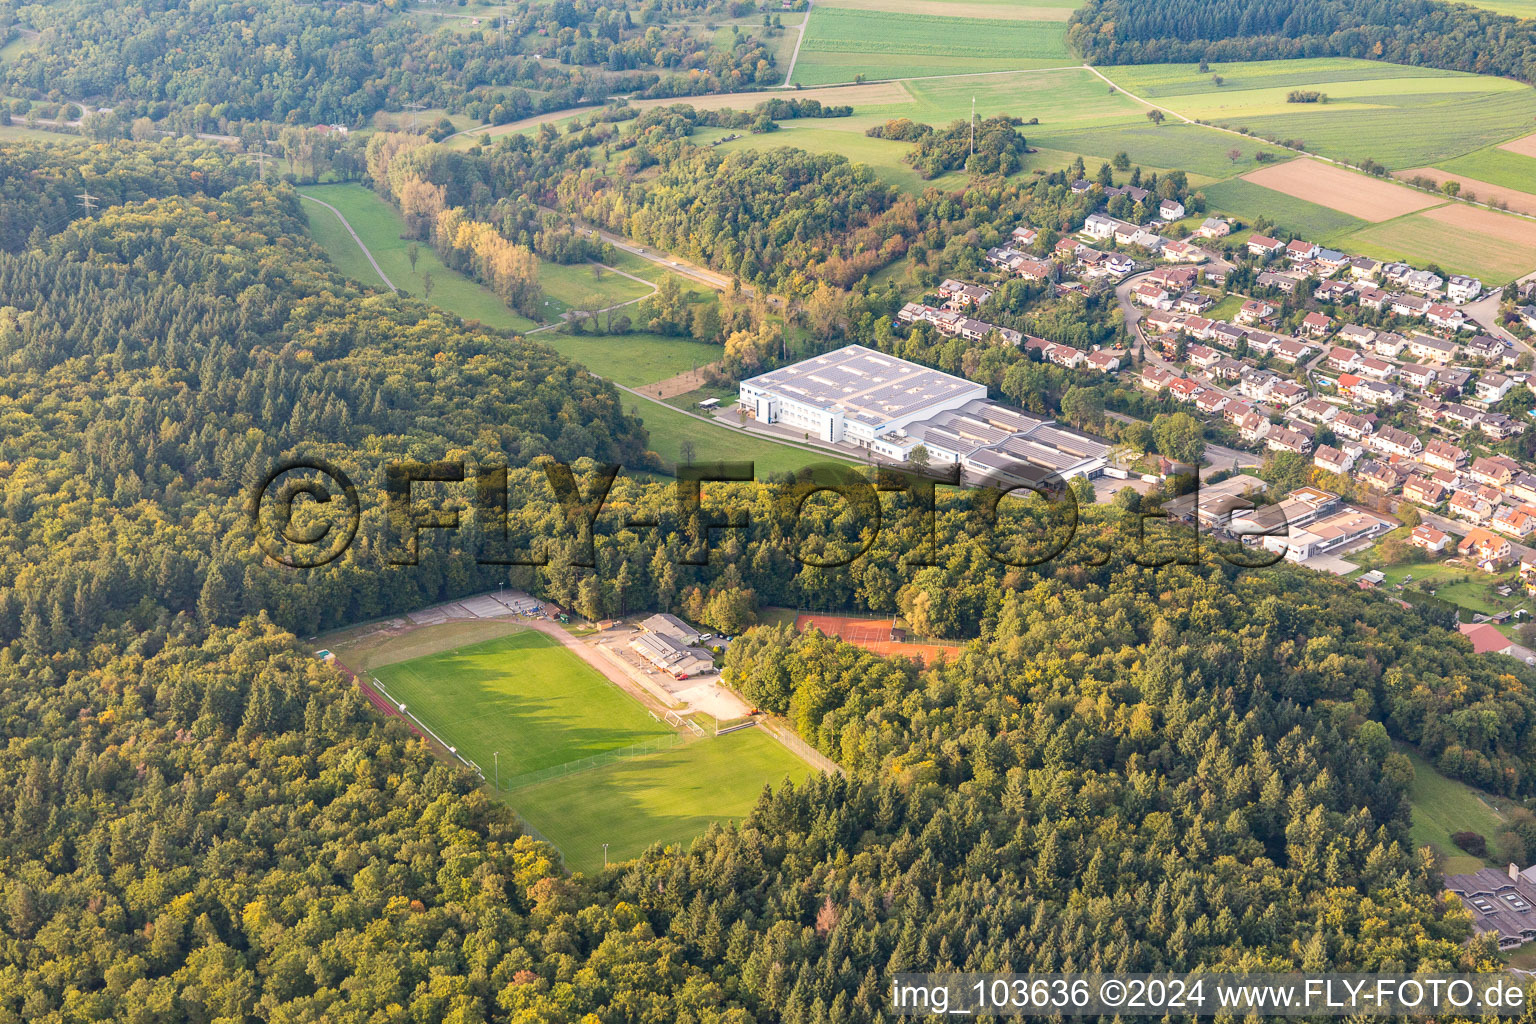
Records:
x=1358, y=195
x=1520, y=202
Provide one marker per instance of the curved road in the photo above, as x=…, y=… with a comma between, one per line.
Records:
x=344, y=223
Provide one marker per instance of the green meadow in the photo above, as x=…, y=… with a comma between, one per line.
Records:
x=381, y=228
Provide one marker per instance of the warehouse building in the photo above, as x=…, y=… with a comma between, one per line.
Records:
x=888, y=406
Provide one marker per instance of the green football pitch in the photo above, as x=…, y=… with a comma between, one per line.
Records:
x=548, y=712
x=524, y=696
x=666, y=797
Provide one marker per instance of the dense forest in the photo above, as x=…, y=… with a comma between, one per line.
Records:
x=1427, y=32
x=1126, y=766
x=206, y=66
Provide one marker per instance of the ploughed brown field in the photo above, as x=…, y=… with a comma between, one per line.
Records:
x=1358, y=195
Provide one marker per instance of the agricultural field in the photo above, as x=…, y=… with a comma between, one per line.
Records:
x=1493, y=246
x=632, y=360
x=380, y=227
x=1204, y=153
x=841, y=44
x=1513, y=8
x=1369, y=103
x=1358, y=195
x=1510, y=166
x=666, y=797
x=1481, y=190
x=524, y=696
x=1245, y=200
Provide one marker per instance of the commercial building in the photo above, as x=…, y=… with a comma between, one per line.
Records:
x=865, y=399
x=672, y=656
x=854, y=395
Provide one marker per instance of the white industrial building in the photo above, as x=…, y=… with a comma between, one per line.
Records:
x=868, y=400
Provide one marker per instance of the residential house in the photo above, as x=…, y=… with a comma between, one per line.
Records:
x=1371, y=298
x=1514, y=520
x=1490, y=551
x=1170, y=209
x=1037, y=270
x=1103, y=226
x=1211, y=402
x=1300, y=250
x=1285, y=282
x=1333, y=290
x=1357, y=334
x=1184, y=389
x=1024, y=236
x=1393, y=441
x=1373, y=366
x=1483, y=347
x=1317, y=409
x=1184, y=252
x=1342, y=359
x=1492, y=387
x=960, y=294
x=1282, y=439
x=1198, y=327
x=1495, y=470
x=1407, y=305
x=1104, y=362
x=1443, y=455
x=1528, y=572
x=1499, y=426
x=1430, y=539
x=1353, y=426
x=1256, y=311
x=1331, y=460
x=1194, y=302
x=1292, y=351
x=1423, y=490
x=1388, y=344
x=1287, y=393
x=1470, y=507
x=1263, y=245
x=1449, y=317
x=1383, y=476
x=1317, y=324
x=1202, y=356
x=1227, y=335
x=1149, y=294
x=1214, y=227
x=1154, y=379
x=1376, y=393
x=1068, y=249
x=1416, y=375
x=1216, y=274
x=1424, y=348
x=1363, y=268
x=1422, y=281
x=1251, y=426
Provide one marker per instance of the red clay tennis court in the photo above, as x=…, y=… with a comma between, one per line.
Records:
x=874, y=635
